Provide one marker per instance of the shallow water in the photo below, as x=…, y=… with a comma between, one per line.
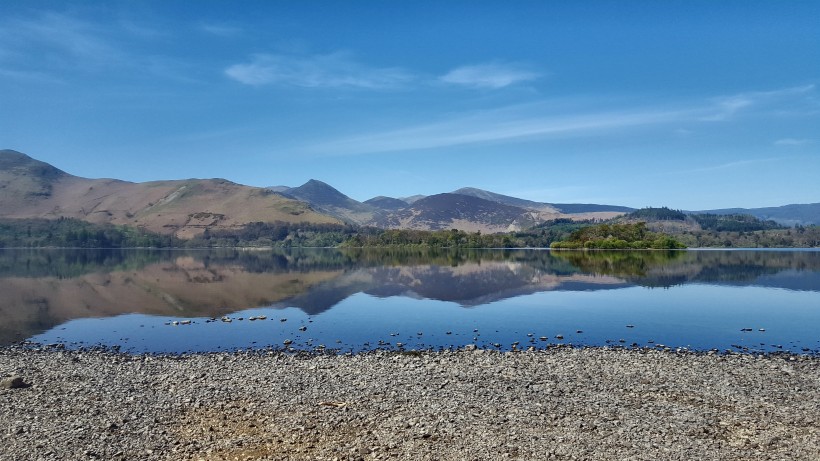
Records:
x=353, y=300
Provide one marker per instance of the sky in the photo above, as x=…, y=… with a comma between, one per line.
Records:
x=688, y=104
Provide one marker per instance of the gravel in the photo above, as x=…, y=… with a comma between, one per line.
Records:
x=567, y=404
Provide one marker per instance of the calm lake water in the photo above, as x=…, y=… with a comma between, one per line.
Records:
x=354, y=300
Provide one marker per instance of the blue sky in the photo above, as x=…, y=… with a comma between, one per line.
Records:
x=692, y=105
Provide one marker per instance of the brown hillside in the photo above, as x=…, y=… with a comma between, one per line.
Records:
x=32, y=189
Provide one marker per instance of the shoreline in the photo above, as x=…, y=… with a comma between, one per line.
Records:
x=36, y=347
x=560, y=403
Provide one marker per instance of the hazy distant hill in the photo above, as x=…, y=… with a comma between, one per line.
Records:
x=326, y=199
x=789, y=215
x=387, y=203
x=561, y=208
x=33, y=189
x=573, y=208
x=456, y=211
x=412, y=199
x=506, y=200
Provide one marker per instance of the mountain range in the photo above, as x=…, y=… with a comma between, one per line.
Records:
x=30, y=188
x=467, y=209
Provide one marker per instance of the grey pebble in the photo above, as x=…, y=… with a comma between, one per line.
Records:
x=561, y=403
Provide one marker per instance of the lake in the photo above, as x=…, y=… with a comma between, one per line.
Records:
x=173, y=301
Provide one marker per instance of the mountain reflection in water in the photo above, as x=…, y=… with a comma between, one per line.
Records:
x=45, y=288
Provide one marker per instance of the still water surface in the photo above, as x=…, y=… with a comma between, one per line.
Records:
x=354, y=300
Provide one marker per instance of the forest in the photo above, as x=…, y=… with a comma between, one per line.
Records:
x=724, y=232
x=634, y=236
x=74, y=233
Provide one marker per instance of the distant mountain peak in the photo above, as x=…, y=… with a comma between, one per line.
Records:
x=316, y=182
x=327, y=199
x=20, y=163
x=13, y=153
x=318, y=192
x=470, y=190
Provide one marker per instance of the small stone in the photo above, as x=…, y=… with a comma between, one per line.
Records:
x=15, y=382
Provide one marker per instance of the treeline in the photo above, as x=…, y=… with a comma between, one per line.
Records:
x=74, y=233
x=276, y=234
x=537, y=237
x=436, y=239
x=734, y=223
x=751, y=233
x=618, y=237
x=797, y=237
x=706, y=221
x=657, y=214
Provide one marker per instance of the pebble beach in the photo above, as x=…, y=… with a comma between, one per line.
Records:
x=560, y=403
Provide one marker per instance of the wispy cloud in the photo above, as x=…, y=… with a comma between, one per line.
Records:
x=539, y=120
x=222, y=30
x=793, y=142
x=491, y=75
x=492, y=126
x=50, y=47
x=682, y=132
x=30, y=76
x=727, y=107
x=335, y=70
x=731, y=165
x=58, y=37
